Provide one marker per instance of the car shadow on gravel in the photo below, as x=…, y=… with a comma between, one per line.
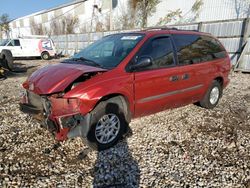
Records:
x=116, y=167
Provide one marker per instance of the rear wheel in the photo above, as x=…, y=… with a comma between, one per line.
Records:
x=45, y=56
x=107, y=126
x=212, y=96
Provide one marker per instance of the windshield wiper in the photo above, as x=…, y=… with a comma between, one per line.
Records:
x=88, y=61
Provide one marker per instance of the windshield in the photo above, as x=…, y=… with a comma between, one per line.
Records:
x=4, y=42
x=109, y=51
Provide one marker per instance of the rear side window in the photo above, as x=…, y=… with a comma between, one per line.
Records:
x=16, y=42
x=160, y=50
x=196, y=49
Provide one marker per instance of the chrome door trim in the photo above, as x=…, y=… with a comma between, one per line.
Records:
x=167, y=94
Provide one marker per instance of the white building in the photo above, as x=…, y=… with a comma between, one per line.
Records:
x=108, y=12
x=211, y=10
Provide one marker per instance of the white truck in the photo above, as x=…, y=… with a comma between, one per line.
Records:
x=30, y=47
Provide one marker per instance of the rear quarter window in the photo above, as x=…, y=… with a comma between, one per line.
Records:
x=197, y=48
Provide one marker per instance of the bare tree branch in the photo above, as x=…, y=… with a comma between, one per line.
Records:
x=4, y=24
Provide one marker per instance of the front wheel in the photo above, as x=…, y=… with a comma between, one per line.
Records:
x=107, y=126
x=212, y=96
x=8, y=59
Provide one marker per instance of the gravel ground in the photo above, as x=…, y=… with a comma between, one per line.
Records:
x=184, y=147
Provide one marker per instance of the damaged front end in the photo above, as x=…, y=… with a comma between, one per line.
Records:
x=61, y=116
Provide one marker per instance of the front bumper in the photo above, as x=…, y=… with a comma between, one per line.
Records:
x=58, y=118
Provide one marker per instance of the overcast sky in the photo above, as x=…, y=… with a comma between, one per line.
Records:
x=19, y=8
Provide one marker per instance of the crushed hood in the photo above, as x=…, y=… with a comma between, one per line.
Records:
x=56, y=78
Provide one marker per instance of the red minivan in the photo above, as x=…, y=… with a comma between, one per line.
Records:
x=96, y=93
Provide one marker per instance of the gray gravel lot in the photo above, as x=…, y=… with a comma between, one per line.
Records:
x=184, y=147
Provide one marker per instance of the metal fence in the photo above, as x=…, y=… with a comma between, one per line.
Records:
x=234, y=34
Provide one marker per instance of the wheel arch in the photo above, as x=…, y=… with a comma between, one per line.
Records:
x=220, y=79
x=121, y=100
x=44, y=51
x=2, y=56
x=5, y=53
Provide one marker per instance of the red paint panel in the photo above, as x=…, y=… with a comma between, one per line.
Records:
x=112, y=82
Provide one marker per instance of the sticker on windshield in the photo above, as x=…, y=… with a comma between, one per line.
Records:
x=130, y=37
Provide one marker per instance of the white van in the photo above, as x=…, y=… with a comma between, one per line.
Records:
x=29, y=47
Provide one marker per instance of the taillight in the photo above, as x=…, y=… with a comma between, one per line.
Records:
x=26, y=85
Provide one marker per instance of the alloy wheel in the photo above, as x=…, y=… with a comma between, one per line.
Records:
x=214, y=95
x=107, y=128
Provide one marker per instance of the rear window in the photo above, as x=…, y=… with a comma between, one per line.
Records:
x=196, y=49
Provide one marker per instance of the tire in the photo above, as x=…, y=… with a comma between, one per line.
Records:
x=103, y=113
x=212, y=96
x=7, y=59
x=45, y=56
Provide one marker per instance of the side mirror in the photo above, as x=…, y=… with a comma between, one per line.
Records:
x=142, y=62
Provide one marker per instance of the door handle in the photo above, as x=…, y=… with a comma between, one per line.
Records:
x=185, y=76
x=174, y=78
